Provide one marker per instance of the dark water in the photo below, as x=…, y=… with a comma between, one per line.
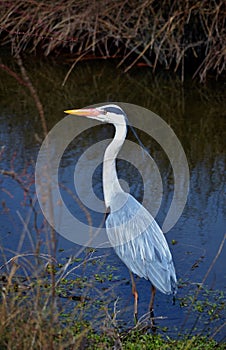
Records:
x=196, y=113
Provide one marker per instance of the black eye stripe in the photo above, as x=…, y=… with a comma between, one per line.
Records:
x=114, y=110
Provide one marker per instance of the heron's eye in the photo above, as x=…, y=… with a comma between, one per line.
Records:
x=104, y=111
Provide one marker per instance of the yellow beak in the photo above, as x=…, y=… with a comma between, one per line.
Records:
x=87, y=112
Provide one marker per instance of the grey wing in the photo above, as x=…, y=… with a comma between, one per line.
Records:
x=140, y=243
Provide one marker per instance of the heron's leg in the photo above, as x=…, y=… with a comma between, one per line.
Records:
x=135, y=294
x=153, y=291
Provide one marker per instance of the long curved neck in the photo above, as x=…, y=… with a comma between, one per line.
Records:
x=111, y=184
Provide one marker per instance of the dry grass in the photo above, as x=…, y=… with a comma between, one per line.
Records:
x=29, y=321
x=178, y=35
x=30, y=317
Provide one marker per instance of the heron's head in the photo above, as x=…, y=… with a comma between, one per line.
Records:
x=107, y=114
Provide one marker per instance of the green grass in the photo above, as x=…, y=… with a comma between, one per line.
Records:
x=31, y=316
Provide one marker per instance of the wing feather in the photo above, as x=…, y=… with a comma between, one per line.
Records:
x=140, y=243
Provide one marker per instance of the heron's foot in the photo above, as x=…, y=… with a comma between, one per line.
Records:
x=152, y=314
x=152, y=320
x=135, y=318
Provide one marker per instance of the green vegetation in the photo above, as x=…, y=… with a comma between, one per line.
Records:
x=185, y=36
x=32, y=315
x=203, y=304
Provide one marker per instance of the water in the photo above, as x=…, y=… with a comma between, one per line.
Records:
x=196, y=113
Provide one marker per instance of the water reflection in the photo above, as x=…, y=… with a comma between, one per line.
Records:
x=196, y=114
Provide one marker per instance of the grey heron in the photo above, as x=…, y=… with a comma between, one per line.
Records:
x=132, y=231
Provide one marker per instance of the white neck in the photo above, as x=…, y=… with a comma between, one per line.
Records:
x=111, y=185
